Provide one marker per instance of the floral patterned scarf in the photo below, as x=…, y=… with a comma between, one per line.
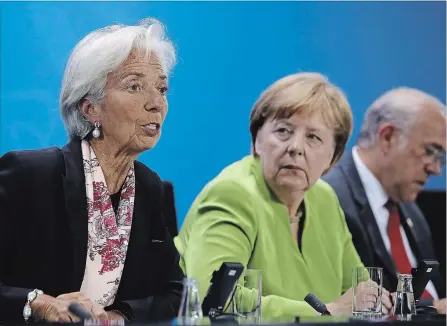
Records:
x=108, y=235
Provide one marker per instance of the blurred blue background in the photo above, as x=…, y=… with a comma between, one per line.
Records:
x=229, y=52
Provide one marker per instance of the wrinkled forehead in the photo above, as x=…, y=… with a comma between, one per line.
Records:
x=314, y=118
x=139, y=62
x=141, y=56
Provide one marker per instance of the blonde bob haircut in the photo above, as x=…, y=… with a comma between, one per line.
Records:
x=305, y=93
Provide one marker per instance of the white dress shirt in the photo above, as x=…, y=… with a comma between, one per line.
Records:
x=377, y=199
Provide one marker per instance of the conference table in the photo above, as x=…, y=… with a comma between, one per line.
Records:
x=433, y=320
x=416, y=320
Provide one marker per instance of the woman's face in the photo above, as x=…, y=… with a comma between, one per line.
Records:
x=294, y=152
x=135, y=104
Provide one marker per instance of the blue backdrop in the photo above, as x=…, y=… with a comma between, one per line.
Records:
x=228, y=53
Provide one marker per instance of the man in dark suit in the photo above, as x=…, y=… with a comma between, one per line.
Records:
x=401, y=143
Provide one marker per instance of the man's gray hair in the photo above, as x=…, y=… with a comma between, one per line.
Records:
x=399, y=107
x=100, y=53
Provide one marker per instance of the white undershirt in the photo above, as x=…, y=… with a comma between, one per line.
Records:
x=377, y=199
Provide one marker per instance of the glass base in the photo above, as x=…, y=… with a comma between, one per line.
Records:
x=404, y=317
x=367, y=315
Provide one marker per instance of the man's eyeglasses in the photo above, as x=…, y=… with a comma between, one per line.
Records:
x=435, y=154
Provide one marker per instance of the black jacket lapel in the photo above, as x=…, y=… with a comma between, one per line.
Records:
x=373, y=232
x=365, y=213
x=141, y=238
x=76, y=205
x=409, y=223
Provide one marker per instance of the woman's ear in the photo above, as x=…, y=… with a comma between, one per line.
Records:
x=252, y=149
x=257, y=146
x=89, y=110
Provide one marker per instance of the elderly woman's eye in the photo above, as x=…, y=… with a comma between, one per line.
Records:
x=314, y=137
x=164, y=90
x=283, y=131
x=133, y=88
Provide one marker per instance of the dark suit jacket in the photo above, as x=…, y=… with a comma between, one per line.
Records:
x=169, y=211
x=345, y=180
x=43, y=235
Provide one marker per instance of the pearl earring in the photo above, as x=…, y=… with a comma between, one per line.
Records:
x=96, y=132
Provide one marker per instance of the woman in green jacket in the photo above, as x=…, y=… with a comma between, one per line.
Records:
x=270, y=210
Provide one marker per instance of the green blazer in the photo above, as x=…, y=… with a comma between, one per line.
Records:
x=236, y=218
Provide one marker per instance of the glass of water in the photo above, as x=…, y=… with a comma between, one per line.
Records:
x=367, y=291
x=246, y=300
x=405, y=304
x=190, y=311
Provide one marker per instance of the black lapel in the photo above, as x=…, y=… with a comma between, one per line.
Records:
x=409, y=223
x=140, y=220
x=76, y=205
x=147, y=207
x=417, y=231
x=143, y=206
x=140, y=236
x=366, y=215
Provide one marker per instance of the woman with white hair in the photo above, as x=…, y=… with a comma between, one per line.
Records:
x=84, y=223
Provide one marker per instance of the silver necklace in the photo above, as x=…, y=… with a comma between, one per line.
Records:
x=297, y=217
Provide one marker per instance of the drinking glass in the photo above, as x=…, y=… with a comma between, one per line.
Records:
x=367, y=291
x=404, y=304
x=190, y=311
x=246, y=300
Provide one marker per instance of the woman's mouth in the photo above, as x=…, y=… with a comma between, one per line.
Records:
x=151, y=129
x=291, y=167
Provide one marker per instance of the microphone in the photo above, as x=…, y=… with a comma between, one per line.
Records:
x=316, y=303
x=78, y=310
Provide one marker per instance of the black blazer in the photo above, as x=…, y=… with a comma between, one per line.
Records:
x=345, y=180
x=43, y=235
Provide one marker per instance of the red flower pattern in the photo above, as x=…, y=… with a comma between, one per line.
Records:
x=106, y=224
x=108, y=235
x=113, y=254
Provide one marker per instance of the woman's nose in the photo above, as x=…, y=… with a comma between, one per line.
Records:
x=296, y=145
x=154, y=102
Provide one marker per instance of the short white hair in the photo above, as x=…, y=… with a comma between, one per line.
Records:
x=400, y=107
x=100, y=53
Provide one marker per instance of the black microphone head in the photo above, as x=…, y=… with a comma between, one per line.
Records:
x=316, y=303
x=79, y=310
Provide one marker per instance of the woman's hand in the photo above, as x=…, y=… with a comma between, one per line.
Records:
x=387, y=302
x=52, y=309
x=366, y=298
x=90, y=306
x=113, y=315
x=342, y=306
